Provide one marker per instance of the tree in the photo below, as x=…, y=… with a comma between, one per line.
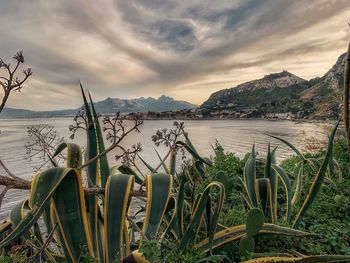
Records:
x=9, y=80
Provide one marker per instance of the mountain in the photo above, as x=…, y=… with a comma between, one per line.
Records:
x=109, y=105
x=270, y=88
x=282, y=92
x=324, y=98
x=9, y=113
x=163, y=103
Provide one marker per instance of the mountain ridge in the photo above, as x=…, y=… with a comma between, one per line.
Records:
x=108, y=105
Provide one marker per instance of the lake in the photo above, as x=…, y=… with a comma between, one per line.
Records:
x=234, y=135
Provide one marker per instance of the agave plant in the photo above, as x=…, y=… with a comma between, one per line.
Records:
x=95, y=221
x=83, y=223
x=262, y=192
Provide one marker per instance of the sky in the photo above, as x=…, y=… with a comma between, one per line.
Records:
x=183, y=49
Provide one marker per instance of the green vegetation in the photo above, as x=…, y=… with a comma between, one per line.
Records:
x=328, y=218
x=219, y=209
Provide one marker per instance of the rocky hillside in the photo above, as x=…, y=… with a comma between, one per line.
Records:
x=324, y=97
x=283, y=93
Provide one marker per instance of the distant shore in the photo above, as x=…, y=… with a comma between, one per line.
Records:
x=181, y=118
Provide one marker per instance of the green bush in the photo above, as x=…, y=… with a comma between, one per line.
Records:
x=328, y=218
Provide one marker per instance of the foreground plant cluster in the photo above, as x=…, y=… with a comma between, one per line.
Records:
x=218, y=209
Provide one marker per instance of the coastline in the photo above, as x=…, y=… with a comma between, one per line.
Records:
x=182, y=118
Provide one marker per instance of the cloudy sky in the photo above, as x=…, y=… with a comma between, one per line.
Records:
x=184, y=49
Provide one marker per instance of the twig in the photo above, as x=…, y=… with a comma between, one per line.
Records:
x=136, y=227
x=11, y=82
x=47, y=241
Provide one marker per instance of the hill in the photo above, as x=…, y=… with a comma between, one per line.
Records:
x=282, y=93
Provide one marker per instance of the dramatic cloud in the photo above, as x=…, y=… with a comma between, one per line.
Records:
x=185, y=49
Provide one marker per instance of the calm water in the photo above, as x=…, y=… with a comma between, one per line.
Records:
x=235, y=135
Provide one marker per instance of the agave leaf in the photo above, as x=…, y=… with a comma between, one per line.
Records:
x=124, y=169
x=288, y=187
x=189, y=142
x=171, y=221
x=194, y=153
x=46, y=212
x=16, y=216
x=268, y=162
x=214, y=222
x=318, y=180
x=6, y=225
x=158, y=187
x=208, y=215
x=299, y=185
x=306, y=259
x=180, y=206
x=127, y=237
x=52, y=161
x=103, y=161
x=190, y=233
x=47, y=219
x=172, y=164
x=290, y=146
x=264, y=191
x=250, y=178
x=274, y=188
x=44, y=184
x=200, y=169
x=116, y=203
x=91, y=149
x=71, y=216
x=222, y=237
x=236, y=232
x=92, y=172
x=58, y=234
x=149, y=167
x=303, y=158
x=74, y=156
x=17, y=212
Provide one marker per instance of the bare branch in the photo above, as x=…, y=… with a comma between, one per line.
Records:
x=50, y=236
x=117, y=129
x=23, y=184
x=10, y=82
x=8, y=171
x=168, y=138
x=80, y=123
x=42, y=143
